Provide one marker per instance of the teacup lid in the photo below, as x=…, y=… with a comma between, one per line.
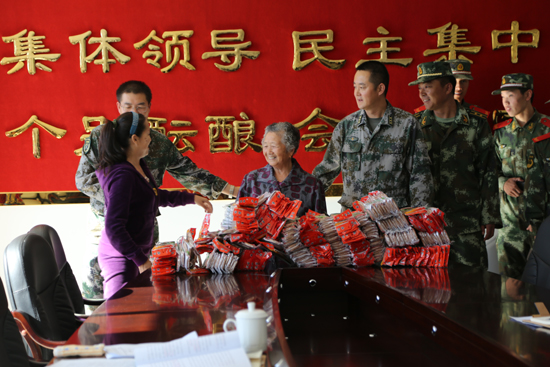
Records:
x=251, y=313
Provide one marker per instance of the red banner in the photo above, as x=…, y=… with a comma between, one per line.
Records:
x=235, y=66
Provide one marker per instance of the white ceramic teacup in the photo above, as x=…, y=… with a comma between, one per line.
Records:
x=252, y=328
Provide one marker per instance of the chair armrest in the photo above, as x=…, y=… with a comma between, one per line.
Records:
x=27, y=332
x=37, y=363
x=93, y=301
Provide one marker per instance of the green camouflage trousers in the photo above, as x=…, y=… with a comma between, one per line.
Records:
x=513, y=246
x=92, y=287
x=469, y=249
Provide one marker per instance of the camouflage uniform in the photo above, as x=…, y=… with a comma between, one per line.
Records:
x=520, y=156
x=163, y=156
x=463, y=168
x=464, y=172
x=392, y=159
x=522, y=152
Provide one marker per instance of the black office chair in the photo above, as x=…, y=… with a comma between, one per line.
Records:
x=537, y=268
x=65, y=271
x=12, y=350
x=35, y=291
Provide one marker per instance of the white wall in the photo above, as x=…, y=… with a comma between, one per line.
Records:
x=71, y=222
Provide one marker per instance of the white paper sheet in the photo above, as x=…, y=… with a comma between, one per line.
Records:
x=94, y=362
x=221, y=349
x=228, y=358
x=128, y=350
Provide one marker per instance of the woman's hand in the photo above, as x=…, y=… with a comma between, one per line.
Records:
x=204, y=202
x=144, y=266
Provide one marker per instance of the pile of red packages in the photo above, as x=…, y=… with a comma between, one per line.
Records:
x=435, y=256
x=430, y=285
x=342, y=253
x=253, y=260
x=430, y=225
x=165, y=291
x=390, y=220
x=164, y=259
x=312, y=238
x=348, y=228
x=295, y=232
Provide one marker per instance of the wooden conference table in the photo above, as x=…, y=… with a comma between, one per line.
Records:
x=341, y=317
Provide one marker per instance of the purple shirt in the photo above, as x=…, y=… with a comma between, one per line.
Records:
x=298, y=185
x=131, y=207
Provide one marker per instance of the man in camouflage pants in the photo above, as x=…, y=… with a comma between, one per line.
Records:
x=463, y=164
x=163, y=156
x=379, y=147
x=523, y=152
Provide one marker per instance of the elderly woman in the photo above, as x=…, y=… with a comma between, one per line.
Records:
x=283, y=173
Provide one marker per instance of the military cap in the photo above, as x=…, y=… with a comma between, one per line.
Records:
x=461, y=69
x=431, y=70
x=514, y=81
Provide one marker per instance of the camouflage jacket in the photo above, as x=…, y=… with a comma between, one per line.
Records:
x=476, y=110
x=163, y=156
x=524, y=152
x=392, y=159
x=464, y=170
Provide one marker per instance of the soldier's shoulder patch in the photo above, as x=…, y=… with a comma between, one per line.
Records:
x=87, y=146
x=545, y=121
x=419, y=109
x=502, y=124
x=541, y=138
x=479, y=111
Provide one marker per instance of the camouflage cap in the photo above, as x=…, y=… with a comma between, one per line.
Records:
x=514, y=81
x=431, y=70
x=461, y=69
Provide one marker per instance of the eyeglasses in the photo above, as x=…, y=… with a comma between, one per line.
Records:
x=139, y=109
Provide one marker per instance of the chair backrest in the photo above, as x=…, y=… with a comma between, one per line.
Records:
x=34, y=287
x=65, y=271
x=12, y=350
x=537, y=269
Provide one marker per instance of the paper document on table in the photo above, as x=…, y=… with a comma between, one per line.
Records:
x=128, y=350
x=221, y=349
x=93, y=362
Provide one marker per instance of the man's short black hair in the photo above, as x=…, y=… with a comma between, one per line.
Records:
x=136, y=87
x=444, y=80
x=523, y=90
x=378, y=73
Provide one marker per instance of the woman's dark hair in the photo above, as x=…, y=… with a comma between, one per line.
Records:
x=115, y=139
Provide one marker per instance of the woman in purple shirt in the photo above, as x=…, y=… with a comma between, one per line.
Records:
x=132, y=199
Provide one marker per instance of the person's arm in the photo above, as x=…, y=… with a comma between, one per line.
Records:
x=85, y=177
x=245, y=190
x=320, y=200
x=177, y=198
x=487, y=168
x=186, y=172
x=330, y=167
x=421, y=186
x=536, y=194
x=120, y=191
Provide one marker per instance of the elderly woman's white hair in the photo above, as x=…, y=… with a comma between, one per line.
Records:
x=290, y=135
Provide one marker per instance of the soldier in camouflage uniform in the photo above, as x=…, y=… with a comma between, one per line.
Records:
x=462, y=72
x=523, y=151
x=163, y=156
x=463, y=164
x=379, y=147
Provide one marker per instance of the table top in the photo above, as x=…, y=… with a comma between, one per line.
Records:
x=466, y=303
